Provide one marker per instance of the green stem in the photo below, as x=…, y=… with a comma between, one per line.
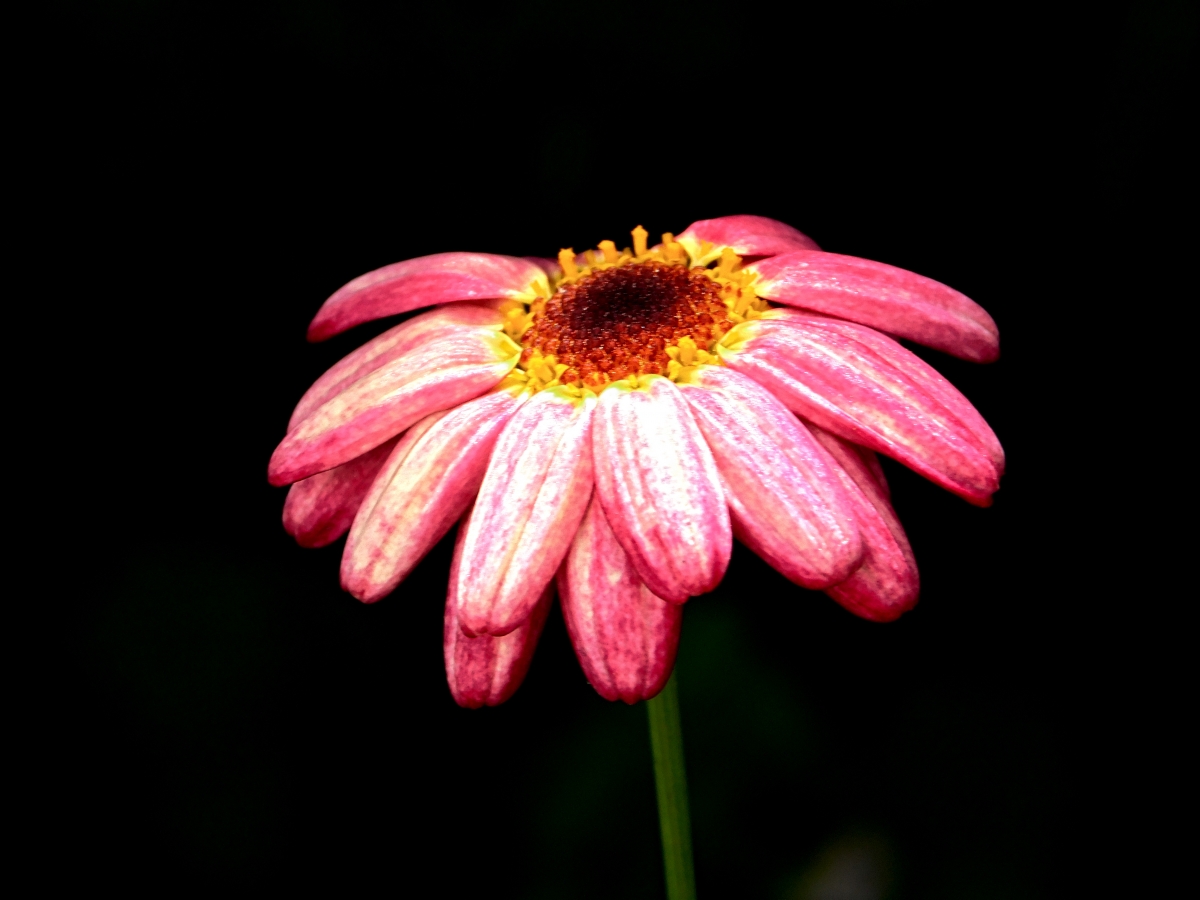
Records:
x=666, y=740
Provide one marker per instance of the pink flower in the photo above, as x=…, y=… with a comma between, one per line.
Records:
x=603, y=426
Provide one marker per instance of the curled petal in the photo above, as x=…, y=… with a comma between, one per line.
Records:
x=487, y=670
x=839, y=376
x=530, y=504
x=660, y=489
x=625, y=636
x=391, y=345
x=754, y=236
x=882, y=296
x=319, y=509
x=886, y=585
x=549, y=266
x=785, y=497
x=427, y=281
x=426, y=485
x=389, y=400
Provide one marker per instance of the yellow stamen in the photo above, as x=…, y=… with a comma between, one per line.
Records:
x=729, y=259
x=684, y=353
x=544, y=371
x=515, y=378
x=517, y=322
x=566, y=259
x=672, y=251
x=609, y=249
x=639, y=241
x=686, y=356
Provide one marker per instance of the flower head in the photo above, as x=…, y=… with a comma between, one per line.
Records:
x=602, y=426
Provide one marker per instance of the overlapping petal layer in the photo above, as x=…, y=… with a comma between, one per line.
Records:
x=319, y=509
x=547, y=265
x=886, y=584
x=487, y=670
x=426, y=328
x=425, y=487
x=866, y=388
x=930, y=380
x=783, y=496
x=632, y=498
x=530, y=504
x=747, y=236
x=660, y=489
x=625, y=636
x=882, y=296
x=435, y=376
x=425, y=281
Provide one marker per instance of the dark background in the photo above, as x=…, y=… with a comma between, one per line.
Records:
x=217, y=712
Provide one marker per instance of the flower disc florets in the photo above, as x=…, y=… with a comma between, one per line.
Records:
x=623, y=314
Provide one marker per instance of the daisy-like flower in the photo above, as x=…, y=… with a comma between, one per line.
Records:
x=603, y=426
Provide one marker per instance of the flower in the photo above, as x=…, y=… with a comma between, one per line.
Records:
x=602, y=426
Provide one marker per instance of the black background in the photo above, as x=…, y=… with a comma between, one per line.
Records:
x=220, y=713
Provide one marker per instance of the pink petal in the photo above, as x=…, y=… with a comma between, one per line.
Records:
x=487, y=670
x=425, y=281
x=871, y=461
x=886, y=585
x=884, y=297
x=389, y=400
x=785, y=497
x=426, y=485
x=391, y=345
x=532, y=499
x=754, y=236
x=866, y=388
x=917, y=369
x=624, y=636
x=660, y=489
x=549, y=266
x=319, y=509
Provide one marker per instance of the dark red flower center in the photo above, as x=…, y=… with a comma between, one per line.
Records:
x=619, y=321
